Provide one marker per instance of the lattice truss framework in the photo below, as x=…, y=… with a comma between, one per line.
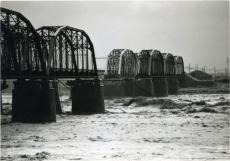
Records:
x=122, y=63
x=179, y=65
x=20, y=46
x=68, y=51
x=169, y=64
x=150, y=63
x=50, y=52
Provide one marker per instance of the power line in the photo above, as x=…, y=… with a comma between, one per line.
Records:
x=101, y=57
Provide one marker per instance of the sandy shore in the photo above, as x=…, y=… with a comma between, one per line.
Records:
x=184, y=127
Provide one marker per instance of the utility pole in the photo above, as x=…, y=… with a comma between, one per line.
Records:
x=214, y=72
x=227, y=63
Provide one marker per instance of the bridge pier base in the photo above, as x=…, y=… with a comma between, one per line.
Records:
x=33, y=102
x=143, y=87
x=114, y=88
x=172, y=85
x=57, y=97
x=129, y=88
x=160, y=86
x=119, y=88
x=87, y=97
x=181, y=81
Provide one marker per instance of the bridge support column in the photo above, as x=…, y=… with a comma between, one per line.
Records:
x=143, y=87
x=33, y=102
x=160, y=86
x=172, y=85
x=57, y=97
x=181, y=81
x=129, y=86
x=120, y=88
x=114, y=88
x=87, y=97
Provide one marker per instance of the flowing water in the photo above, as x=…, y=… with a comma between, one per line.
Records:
x=183, y=127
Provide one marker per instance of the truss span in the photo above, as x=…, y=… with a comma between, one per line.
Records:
x=150, y=63
x=51, y=52
x=121, y=63
x=68, y=51
x=21, y=54
x=169, y=64
x=179, y=65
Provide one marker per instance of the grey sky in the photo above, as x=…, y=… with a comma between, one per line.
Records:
x=198, y=31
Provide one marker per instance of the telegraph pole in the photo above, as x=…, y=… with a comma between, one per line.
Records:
x=214, y=69
x=227, y=63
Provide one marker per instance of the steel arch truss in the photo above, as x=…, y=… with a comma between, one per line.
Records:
x=69, y=52
x=157, y=63
x=21, y=55
x=150, y=63
x=121, y=63
x=144, y=63
x=169, y=64
x=179, y=65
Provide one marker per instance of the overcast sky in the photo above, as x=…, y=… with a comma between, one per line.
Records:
x=198, y=31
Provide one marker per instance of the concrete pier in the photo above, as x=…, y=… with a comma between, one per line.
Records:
x=57, y=97
x=87, y=97
x=172, y=85
x=143, y=87
x=128, y=88
x=114, y=88
x=160, y=86
x=119, y=88
x=181, y=81
x=33, y=102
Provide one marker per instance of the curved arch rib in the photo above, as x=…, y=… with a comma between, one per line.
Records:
x=20, y=43
x=169, y=64
x=121, y=63
x=179, y=65
x=81, y=48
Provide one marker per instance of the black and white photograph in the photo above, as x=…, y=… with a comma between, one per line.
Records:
x=116, y=80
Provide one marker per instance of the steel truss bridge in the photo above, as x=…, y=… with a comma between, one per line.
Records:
x=50, y=52
x=54, y=52
x=125, y=64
